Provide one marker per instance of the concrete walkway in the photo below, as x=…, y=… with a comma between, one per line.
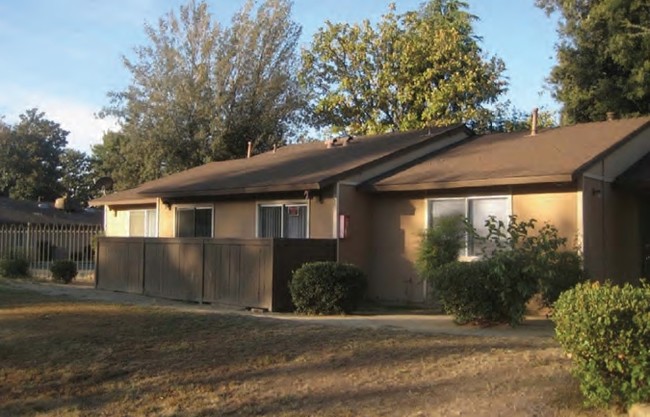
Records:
x=421, y=323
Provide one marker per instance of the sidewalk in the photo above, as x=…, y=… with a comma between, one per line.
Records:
x=420, y=323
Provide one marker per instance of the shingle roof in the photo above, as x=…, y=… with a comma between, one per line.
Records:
x=553, y=155
x=300, y=167
x=24, y=212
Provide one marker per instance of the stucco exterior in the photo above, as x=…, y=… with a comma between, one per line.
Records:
x=231, y=219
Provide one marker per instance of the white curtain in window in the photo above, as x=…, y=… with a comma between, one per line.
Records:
x=136, y=223
x=442, y=208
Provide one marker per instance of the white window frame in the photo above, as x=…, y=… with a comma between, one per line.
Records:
x=146, y=221
x=465, y=256
x=194, y=206
x=281, y=204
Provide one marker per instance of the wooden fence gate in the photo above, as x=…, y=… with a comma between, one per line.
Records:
x=237, y=272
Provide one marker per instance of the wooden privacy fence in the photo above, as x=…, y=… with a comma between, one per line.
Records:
x=239, y=272
x=44, y=243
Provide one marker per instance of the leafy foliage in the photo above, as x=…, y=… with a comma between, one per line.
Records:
x=30, y=157
x=516, y=265
x=410, y=70
x=606, y=330
x=603, y=58
x=77, y=175
x=14, y=264
x=63, y=271
x=441, y=244
x=200, y=91
x=327, y=288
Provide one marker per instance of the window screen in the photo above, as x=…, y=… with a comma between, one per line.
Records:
x=479, y=211
x=295, y=222
x=442, y=208
x=287, y=221
x=194, y=222
x=270, y=221
x=136, y=223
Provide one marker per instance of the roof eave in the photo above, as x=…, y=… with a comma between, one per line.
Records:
x=478, y=183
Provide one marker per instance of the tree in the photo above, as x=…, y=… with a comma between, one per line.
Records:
x=603, y=58
x=505, y=118
x=408, y=71
x=199, y=92
x=118, y=157
x=30, y=157
x=77, y=179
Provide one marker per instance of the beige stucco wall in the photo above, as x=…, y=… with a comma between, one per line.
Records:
x=354, y=248
x=237, y=219
x=396, y=224
x=557, y=208
x=116, y=219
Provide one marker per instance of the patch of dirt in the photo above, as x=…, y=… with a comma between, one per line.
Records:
x=67, y=357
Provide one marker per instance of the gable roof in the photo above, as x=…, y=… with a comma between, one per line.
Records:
x=552, y=156
x=24, y=212
x=309, y=166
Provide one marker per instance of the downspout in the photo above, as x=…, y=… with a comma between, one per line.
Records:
x=337, y=222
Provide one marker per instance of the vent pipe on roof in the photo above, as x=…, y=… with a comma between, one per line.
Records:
x=610, y=116
x=275, y=147
x=250, y=149
x=533, y=123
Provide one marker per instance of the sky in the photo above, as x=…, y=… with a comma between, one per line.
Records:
x=64, y=56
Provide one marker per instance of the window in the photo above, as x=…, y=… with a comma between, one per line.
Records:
x=142, y=223
x=194, y=222
x=282, y=220
x=476, y=210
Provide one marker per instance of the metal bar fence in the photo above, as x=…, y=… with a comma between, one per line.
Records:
x=44, y=244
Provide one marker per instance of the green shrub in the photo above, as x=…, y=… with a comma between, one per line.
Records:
x=487, y=291
x=606, y=330
x=563, y=272
x=441, y=244
x=63, y=271
x=14, y=263
x=327, y=288
x=515, y=265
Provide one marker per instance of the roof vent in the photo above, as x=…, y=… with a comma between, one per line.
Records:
x=347, y=141
x=331, y=143
x=249, y=151
x=610, y=116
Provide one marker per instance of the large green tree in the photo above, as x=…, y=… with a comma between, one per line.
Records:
x=77, y=178
x=603, y=58
x=30, y=157
x=409, y=70
x=199, y=92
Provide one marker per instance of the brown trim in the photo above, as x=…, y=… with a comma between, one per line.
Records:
x=241, y=191
x=400, y=152
x=488, y=182
x=580, y=170
x=129, y=201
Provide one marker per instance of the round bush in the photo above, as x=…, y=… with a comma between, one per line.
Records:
x=487, y=291
x=14, y=267
x=327, y=288
x=63, y=271
x=606, y=330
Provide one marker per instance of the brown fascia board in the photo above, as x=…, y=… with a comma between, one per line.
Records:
x=400, y=152
x=488, y=182
x=582, y=168
x=131, y=201
x=242, y=191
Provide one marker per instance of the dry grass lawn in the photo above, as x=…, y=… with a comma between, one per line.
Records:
x=61, y=357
